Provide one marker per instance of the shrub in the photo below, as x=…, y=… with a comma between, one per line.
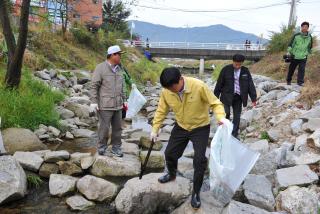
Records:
x=280, y=40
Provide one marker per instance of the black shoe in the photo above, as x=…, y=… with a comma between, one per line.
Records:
x=288, y=83
x=300, y=84
x=101, y=151
x=117, y=152
x=195, y=201
x=166, y=178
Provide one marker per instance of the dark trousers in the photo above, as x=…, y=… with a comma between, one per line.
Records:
x=237, y=108
x=177, y=143
x=107, y=118
x=292, y=67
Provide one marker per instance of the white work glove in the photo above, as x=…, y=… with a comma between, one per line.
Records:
x=154, y=136
x=94, y=107
x=133, y=86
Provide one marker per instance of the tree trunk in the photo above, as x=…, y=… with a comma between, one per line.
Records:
x=16, y=52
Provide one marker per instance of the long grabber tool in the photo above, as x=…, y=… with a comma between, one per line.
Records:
x=144, y=166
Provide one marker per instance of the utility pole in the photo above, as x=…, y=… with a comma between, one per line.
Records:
x=293, y=13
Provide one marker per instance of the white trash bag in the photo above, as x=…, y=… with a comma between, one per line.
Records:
x=135, y=102
x=230, y=162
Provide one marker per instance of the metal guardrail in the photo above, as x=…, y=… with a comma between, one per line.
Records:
x=193, y=45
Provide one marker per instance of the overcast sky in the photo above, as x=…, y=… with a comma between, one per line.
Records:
x=257, y=21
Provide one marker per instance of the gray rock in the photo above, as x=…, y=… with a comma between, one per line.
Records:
x=274, y=134
x=43, y=75
x=296, y=126
x=41, y=153
x=55, y=156
x=61, y=185
x=17, y=139
x=209, y=205
x=185, y=165
x=40, y=132
x=290, y=98
x=78, y=202
x=128, y=165
x=236, y=207
x=47, y=169
x=69, y=136
x=151, y=109
x=69, y=168
x=275, y=120
x=267, y=164
x=298, y=200
x=272, y=95
x=82, y=133
x=146, y=143
x=54, y=131
x=258, y=190
x=261, y=146
x=29, y=160
x=156, y=159
x=164, y=137
x=297, y=175
x=87, y=162
x=77, y=156
x=13, y=180
x=314, y=139
x=312, y=113
x=168, y=122
x=52, y=73
x=312, y=125
x=153, y=103
x=148, y=196
x=65, y=113
x=84, y=100
x=301, y=142
x=81, y=111
x=167, y=129
x=130, y=148
x=97, y=189
x=302, y=158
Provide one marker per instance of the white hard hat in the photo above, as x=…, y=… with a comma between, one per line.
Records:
x=114, y=49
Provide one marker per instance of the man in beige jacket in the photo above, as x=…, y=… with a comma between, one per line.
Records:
x=107, y=96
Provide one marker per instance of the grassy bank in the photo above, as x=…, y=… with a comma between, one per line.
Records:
x=32, y=104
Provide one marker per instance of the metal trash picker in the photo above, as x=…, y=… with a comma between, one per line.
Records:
x=144, y=166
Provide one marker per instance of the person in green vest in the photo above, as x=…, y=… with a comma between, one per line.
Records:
x=299, y=48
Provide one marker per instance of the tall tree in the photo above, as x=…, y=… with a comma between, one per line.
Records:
x=15, y=50
x=115, y=14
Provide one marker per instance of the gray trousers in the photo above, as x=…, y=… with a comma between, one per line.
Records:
x=107, y=118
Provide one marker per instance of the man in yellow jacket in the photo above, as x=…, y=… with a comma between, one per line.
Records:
x=190, y=99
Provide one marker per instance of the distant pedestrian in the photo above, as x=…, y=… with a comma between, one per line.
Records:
x=299, y=48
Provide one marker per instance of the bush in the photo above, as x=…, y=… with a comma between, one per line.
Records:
x=280, y=40
x=34, y=181
x=30, y=105
x=82, y=35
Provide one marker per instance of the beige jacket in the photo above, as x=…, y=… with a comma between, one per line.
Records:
x=107, y=87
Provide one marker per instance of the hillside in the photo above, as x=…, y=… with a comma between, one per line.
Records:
x=208, y=34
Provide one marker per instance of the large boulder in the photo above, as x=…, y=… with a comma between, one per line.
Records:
x=297, y=175
x=47, y=169
x=209, y=205
x=128, y=165
x=97, y=189
x=149, y=196
x=156, y=159
x=61, y=185
x=312, y=113
x=69, y=168
x=258, y=190
x=29, y=160
x=297, y=200
x=146, y=143
x=81, y=111
x=17, y=139
x=13, y=181
x=82, y=133
x=236, y=207
x=55, y=156
x=77, y=202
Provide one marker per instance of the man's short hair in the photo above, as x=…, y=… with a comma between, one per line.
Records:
x=238, y=58
x=305, y=23
x=108, y=56
x=169, y=77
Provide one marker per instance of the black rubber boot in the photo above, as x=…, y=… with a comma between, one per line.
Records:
x=195, y=201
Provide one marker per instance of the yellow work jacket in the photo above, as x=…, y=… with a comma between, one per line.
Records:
x=192, y=111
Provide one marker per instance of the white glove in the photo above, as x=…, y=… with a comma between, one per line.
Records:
x=154, y=136
x=94, y=107
x=133, y=85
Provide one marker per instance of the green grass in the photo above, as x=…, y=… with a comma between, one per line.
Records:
x=30, y=105
x=34, y=181
x=216, y=72
x=264, y=136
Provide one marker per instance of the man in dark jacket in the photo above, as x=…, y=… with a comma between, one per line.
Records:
x=233, y=87
x=299, y=48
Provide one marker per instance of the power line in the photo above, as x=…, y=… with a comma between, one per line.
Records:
x=209, y=11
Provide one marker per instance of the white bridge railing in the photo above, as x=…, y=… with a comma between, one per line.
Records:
x=193, y=45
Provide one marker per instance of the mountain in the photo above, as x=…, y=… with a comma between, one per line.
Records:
x=210, y=34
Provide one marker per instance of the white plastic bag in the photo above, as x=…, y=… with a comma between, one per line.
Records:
x=230, y=162
x=135, y=102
